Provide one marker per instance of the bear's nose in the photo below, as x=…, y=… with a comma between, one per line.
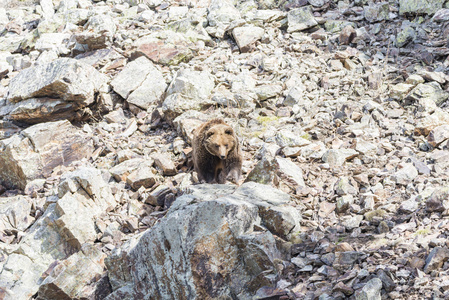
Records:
x=223, y=157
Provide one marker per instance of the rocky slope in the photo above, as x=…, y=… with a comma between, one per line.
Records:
x=341, y=109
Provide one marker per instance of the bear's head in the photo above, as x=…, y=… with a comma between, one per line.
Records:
x=220, y=140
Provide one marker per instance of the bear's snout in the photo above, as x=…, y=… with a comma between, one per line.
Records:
x=223, y=152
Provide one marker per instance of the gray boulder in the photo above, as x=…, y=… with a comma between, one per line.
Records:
x=53, y=91
x=206, y=246
x=427, y=96
x=189, y=90
x=140, y=82
x=64, y=78
x=165, y=47
x=300, y=19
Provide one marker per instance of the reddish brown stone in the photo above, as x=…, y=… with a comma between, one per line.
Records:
x=165, y=54
x=347, y=35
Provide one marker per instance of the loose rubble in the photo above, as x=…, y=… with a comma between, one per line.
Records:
x=341, y=109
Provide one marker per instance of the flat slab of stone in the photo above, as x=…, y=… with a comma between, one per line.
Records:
x=438, y=135
x=64, y=78
x=164, y=47
x=420, y=6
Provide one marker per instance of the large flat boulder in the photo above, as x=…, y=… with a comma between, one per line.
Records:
x=64, y=78
x=53, y=91
x=206, y=246
x=37, y=150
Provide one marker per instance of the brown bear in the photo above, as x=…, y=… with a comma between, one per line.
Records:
x=216, y=153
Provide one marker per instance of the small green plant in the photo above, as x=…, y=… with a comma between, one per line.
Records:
x=266, y=120
x=424, y=231
x=306, y=136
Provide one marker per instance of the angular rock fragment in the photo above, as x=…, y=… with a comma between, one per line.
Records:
x=337, y=157
x=72, y=277
x=347, y=35
x=400, y=90
x=405, y=36
x=122, y=170
x=405, y=174
x=38, y=110
x=67, y=223
x=371, y=290
x=300, y=19
x=164, y=162
x=438, y=200
x=438, y=135
x=247, y=36
x=221, y=14
x=100, y=29
x=439, y=77
x=436, y=258
x=38, y=149
x=441, y=16
x=427, y=96
x=140, y=83
x=277, y=171
x=287, y=138
x=142, y=176
x=15, y=213
x=425, y=125
x=57, y=42
x=189, y=90
x=265, y=92
x=48, y=9
x=8, y=129
x=376, y=12
x=164, y=47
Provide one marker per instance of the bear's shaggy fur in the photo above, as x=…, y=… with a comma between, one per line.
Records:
x=216, y=153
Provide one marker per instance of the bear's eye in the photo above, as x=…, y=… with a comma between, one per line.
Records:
x=226, y=145
x=217, y=146
x=210, y=133
x=228, y=132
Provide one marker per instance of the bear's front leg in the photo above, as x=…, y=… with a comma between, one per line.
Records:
x=234, y=175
